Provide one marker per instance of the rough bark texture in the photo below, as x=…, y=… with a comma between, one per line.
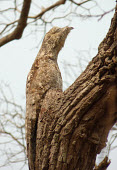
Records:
x=73, y=126
x=103, y=165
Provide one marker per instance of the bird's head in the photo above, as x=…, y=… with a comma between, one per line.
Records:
x=54, y=40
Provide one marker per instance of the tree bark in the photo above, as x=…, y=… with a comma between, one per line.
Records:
x=73, y=126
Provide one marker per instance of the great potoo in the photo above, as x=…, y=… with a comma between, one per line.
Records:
x=43, y=76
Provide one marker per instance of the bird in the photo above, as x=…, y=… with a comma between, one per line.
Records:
x=44, y=75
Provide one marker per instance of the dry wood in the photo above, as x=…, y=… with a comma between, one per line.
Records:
x=73, y=125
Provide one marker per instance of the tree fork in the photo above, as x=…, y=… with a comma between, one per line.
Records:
x=73, y=126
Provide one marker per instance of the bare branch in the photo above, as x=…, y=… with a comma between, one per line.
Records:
x=12, y=128
x=80, y=2
x=58, y=3
x=5, y=10
x=103, y=165
x=13, y=137
x=17, y=33
x=21, y=23
x=8, y=25
x=100, y=16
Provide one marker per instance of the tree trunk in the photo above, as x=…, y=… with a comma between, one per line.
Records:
x=73, y=126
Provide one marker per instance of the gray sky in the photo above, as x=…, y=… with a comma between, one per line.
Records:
x=18, y=56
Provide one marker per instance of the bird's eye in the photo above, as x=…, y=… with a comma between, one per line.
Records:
x=56, y=30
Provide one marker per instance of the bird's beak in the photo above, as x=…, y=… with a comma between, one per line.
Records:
x=71, y=28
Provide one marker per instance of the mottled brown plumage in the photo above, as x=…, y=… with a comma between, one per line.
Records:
x=43, y=76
